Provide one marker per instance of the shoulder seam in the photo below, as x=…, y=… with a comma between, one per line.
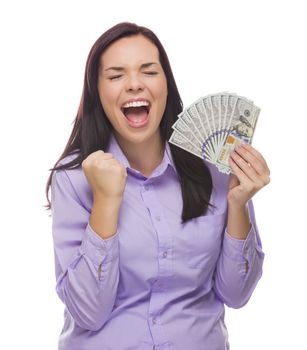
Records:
x=73, y=187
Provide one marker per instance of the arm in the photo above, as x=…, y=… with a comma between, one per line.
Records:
x=240, y=264
x=87, y=269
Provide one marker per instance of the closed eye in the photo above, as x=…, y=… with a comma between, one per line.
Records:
x=114, y=77
x=151, y=73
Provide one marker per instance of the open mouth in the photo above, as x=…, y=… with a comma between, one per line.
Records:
x=136, y=115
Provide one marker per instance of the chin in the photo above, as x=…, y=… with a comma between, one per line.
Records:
x=138, y=137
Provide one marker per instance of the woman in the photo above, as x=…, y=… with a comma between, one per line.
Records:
x=150, y=241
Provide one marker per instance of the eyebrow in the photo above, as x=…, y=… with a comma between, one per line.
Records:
x=144, y=65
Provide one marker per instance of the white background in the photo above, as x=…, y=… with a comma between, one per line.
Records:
x=254, y=48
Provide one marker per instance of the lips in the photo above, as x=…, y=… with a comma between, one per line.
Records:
x=136, y=103
x=134, y=110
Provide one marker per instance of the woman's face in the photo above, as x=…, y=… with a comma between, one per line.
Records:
x=133, y=88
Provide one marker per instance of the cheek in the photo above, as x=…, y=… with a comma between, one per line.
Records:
x=162, y=94
x=107, y=98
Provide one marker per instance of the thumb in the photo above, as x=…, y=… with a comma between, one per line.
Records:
x=233, y=181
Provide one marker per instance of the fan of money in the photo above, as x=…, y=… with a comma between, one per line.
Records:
x=213, y=125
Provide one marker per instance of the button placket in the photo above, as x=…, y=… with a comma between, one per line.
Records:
x=99, y=271
x=164, y=245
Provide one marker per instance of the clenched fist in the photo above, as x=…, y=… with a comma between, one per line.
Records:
x=105, y=174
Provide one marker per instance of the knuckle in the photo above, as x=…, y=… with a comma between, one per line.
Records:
x=119, y=168
x=249, y=187
x=255, y=188
x=258, y=186
x=107, y=154
x=267, y=180
x=84, y=164
x=243, y=152
x=104, y=158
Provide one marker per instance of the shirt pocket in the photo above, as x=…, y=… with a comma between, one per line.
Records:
x=202, y=239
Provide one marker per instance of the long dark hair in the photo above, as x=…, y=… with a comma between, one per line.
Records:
x=92, y=129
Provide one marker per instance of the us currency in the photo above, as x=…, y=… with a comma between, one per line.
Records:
x=216, y=113
x=211, y=120
x=229, y=111
x=240, y=128
x=213, y=125
x=194, y=115
x=183, y=129
x=224, y=107
x=205, y=129
x=185, y=116
x=179, y=140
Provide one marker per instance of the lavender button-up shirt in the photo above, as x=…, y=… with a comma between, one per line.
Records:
x=155, y=284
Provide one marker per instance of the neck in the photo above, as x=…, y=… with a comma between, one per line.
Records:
x=144, y=156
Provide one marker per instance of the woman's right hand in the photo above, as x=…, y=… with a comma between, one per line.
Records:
x=105, y=174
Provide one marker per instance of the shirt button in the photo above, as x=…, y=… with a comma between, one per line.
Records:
x=158, y=218
x=146, y=188
x=154, y=321
x=164, y=255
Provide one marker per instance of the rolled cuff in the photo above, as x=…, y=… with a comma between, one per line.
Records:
x=97, y=249
x=242, y=249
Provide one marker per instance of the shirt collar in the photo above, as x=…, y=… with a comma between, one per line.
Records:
x=117, y=152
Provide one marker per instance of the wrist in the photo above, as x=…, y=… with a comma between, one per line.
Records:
x=103, y=201
x=238, y=223
x=234, y=205
x=104, y=216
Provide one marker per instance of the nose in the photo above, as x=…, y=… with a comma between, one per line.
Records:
x=134, y=83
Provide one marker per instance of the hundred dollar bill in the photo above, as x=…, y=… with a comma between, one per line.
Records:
x=231, y=101
x=185, y=116
x=240, y=128
x=211, y=120
x=224, y=109
x=205, y=128
x=217, y=114
x=213, y=125
x=182, y=142
x=183, y=129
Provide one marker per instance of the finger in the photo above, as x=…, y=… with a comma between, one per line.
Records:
x=107, y=156
x=113, y=161
x=94, y=155
x=258, y=180
x=257, y=154
x=238, y=171
x=251, y=159
x=246, y=167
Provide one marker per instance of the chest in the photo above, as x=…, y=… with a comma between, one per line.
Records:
x=151, y=232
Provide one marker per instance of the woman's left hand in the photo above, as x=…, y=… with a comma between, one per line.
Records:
x=251, y=173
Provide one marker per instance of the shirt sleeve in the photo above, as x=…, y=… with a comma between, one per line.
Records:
x=239, y=266
x=86, y=266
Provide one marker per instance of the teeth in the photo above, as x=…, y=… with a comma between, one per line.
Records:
x=136, y=104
